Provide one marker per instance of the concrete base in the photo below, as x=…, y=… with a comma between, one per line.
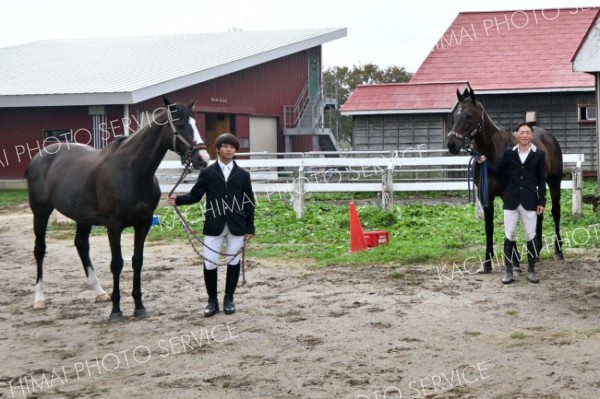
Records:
x=13, y=184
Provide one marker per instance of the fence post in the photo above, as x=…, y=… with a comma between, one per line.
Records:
x=577, y=190
x=298, y=194
x=387, y=187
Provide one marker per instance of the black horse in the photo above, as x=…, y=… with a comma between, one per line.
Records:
x=113, y=187
x=473, y=128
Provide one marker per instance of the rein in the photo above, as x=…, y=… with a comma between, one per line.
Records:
x=191, y=235
x=483, y=192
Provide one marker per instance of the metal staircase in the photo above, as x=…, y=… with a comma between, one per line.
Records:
x=306, y=118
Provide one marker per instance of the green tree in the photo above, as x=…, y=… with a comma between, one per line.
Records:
x=346, y=79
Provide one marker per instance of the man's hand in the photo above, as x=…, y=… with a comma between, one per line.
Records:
x=540, y=210
x=172, y=200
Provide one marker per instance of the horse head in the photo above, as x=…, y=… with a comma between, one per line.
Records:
x=184, y=137
x=468, y=122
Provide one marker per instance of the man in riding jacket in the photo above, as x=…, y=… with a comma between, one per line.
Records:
x=229, y=216
x=523, y=168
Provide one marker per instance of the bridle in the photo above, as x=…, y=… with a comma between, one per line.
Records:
x=468, y=139
x=466, y=145
x=190, y=148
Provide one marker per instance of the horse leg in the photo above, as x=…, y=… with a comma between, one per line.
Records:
x=116, y=267
x=488, y=214
x=82, y=243
x=538, y=236
x=555, y=196
x=141, y=231
x=40, y=224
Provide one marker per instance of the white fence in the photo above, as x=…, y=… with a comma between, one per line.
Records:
x=296, y=174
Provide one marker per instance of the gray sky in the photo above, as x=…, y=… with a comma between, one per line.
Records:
x=385, y=32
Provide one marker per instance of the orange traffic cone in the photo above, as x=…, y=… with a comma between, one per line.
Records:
x=357, y=237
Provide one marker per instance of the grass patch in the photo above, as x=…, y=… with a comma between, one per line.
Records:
x=518, y=335
x=419, y=233
x=12, y=198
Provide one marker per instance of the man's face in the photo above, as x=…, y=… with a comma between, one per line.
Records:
x=525, y=135
x=226, y=152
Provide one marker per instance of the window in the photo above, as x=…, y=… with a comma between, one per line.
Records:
x=587, y=113
x=59, y=134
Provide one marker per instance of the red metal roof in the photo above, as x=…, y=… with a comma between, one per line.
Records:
x=403, y=98
x=523, y=50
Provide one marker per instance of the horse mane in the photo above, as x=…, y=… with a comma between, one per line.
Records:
x=118, y=141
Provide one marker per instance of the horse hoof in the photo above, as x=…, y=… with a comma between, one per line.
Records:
x=141, y=313
x=102, y=298
x=39, y=305
x=116, y=317
x=559, y=257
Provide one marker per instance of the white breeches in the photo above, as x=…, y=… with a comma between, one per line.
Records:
x=214, y=244
x=511, y=219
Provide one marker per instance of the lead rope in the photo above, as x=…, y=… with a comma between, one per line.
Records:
x=191, y=235
x=483, y=192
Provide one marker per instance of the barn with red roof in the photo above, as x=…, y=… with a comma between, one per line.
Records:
x=519, y=63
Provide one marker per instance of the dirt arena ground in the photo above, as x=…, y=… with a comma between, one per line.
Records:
x=300, y=332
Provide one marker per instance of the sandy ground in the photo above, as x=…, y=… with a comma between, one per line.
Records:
x=300, y=332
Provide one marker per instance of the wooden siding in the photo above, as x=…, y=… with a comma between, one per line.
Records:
x=556, y=112
x=397, y=132
x=22, y=134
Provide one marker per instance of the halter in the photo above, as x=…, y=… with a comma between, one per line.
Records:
x=176, y=136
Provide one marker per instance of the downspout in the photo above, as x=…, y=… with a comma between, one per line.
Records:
x=126, y=120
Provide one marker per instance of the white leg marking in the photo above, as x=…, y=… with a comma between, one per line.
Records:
x=101, y=295
x=39, y=302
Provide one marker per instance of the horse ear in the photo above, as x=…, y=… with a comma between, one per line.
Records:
x=166, y=101
x=459, y=96
x=192, y=104
x=472, y=95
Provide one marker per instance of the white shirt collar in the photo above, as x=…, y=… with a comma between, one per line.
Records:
x=223, y=166
x=532, y=147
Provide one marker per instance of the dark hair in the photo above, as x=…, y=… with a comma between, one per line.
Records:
x=227, y=138
x=524, y=124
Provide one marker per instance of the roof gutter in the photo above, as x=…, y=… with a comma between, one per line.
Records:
x=398, y=111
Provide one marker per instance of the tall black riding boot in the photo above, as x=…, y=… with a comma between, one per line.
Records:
x=516, y=259
x=210, y=280
x=532, y=255
x=233, y=275
x=508, y=261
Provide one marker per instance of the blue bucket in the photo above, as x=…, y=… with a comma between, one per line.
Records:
x=155, y=220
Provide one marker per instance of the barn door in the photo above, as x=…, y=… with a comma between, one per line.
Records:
x=263, y=134
x=216, y=124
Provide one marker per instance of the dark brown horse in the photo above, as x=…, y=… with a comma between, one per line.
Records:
x=113, y=187
x=473, y=128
